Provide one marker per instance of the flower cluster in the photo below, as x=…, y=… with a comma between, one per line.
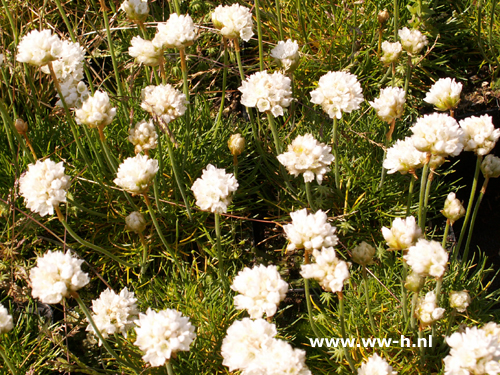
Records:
x=328, y=270
x=261, y=290
x=178, y=32
x=56, y=275
x=6, y=323
x=114, y=313
x=376, y=365
x=213, y=189
x=412, y=40
x=427, y=258
x=307, y=156
x=460, y=300
x=143, y=136
x=74, y=93
x=136, y=173
x=164, y=101
x=338, y=92
x=403, y=233
x=162, y=334
x=491, y=166
x=363, y=254
x=310, y=231
x=233, y=21
x=267, y=92
x=480, y=134
x=136, y=10
x=453, y=208
x=403, y=157
x=144, y=51
x=135, y=222
x=391, y=51
x=444, y=94
x=39, y=48
x=44, y=186
x=390, y=104
x=427, y=310
x=96, y=111
x=286, y=54
x=69, y=62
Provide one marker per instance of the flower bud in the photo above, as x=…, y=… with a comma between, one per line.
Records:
x=363, y=254
x=491, y=166
x=236, y=144
x=136, y=222
x=383, y=16
x=460, y=300
x=21, y=126
x=414, y=282
x=453, y=208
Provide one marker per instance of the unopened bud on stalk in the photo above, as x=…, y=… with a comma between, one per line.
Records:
x=414, y=282
x=21, y=126
x=236, y=144
x=491, y=166
x=135, y=222
x=383, y=16
x=460, y=300
x=453, y=208
x=363, y=254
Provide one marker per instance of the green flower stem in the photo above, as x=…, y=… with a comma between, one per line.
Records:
x=235, y=165
x=278, y=15
x=177, y=7
x=393, y=69
x=7, y=361
x=410, y=195
x=308, y=298
x=145, y=252
x=187, y=115
x=439, y=284
x=367, y=297
x=170, y=370
x=413, y=306
x=309, y=196
x=355, y=16
x=300, y=16
x=81, y=241
x=91, y=142
x=106, y=345
x=342, y=329
x=450, y=323
x=445, y=235
x=222, y=272
x=384, y=171
x=238, y=59
x=259, y=35
x=404, y=295
x=408, y=75
x=422, y=347
x=335, y=142
x=423, y=182
x=107, y=153
x=160, y=234
x=274, y=130
x=8, y=120
x=11, y=21
x=430, y=177
x=396, y=20
x=456, y=250
x=224, y=80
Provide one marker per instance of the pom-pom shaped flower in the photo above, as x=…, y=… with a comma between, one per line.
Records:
x=6, y=322
x=136, y=10
x=391, y=51
x=491, y=166
x=412, y=40
x=233, y=21
x=363, y=254
x=278, y=357
x=143, y=136
x=480, y=134
x=44, y=186
x=261, y=288
x=267, y=92
x=427, y=258
x=178, y=32
x=403, y=157
x=39, y=48
x=286, y=54
x=414, y=282
x=307, y=156
x=144, y=51
x=453, y=208
x=114, y=313
x=69, y=62
x=136, y=174
x=403, y=233
x=236, y=144
x=74, y=93
x=135, y=222
x=427, y=310
x=338, y=92
x=328, y=270
x=244, y=342
x=438, y=134
x=164, y=101
x=96, y=111
x=460, y=300
x=161, y=334
x=474, y=351
x=213, y=189
x=56, y=275
x=390, y=104
x=444, y=94
x=310, y=231
x=376, y=365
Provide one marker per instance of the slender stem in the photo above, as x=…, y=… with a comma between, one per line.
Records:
x=404, y=294
x=177, y=7
x=421, y=347
x=408, y=74
x=384, y=171
x=224, y=80
x=222, y=272
x=274, y=130
x=492, y=20
x=353, y=44
x=335, y=142
x=423, y=182
x=238, y=59
x=450, y=323
x=187, y=115
x=7, y=361
x=439, y=284
x=430, y=177
x=393, y=69
x=396, y=19
x=342, y=329
x=308, y=298
x=259, y=35
x=278, y=15
x=235, y=166
x=161, y=65
x=29, y=145
x=367, y=297
x=445, y=235
x=107, y=153
x=144, y=254
x=413, y=306
x=410, y=196
x=8, y=120
x=309, y=196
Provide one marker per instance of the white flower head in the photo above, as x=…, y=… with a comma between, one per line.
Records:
x=402, y=234
x=460, y=300
x=444, y=94
x=427, y=258
x=69, y=62
x=56, y=275
x=6, y=322
x=453, y=208
x=427, y=310
x=135, y=222
x=44, y=186
x=328, y=270
x=143, y=136
x=491, y=166
x=278, y=357
x=480, y=134
x=144, y=51
x=96, y=111
x=39, y=47
x=412, y=40
x=363, y=253
x=213, y=189
x=178, y=32
x=261, y=290
x=236, y=144
x=310, y=231
x=286, y=55
x=267, y=92
x=391, y=51
x=164, y=101
x=338, y=92
x=403, y=157
x=74, y=93
x=244, y=342
x=114, y=313
x=376, y=365
x=136, y=10
x=307, y=156
x=233, y=21
x=136, y=174
x=438, y=134
x=390, y=104
x=161, y=334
